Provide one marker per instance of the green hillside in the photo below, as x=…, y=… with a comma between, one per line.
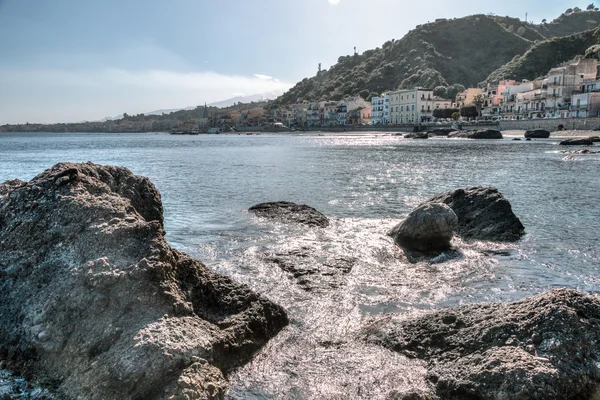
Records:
x=460, y=51
x=545, y=55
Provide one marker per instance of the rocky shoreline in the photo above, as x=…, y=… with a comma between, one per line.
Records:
x=97, y=305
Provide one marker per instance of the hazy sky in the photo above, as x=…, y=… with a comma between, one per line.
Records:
x=73, y=60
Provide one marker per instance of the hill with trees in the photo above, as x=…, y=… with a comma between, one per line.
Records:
x=449, y=53
x=545, y=55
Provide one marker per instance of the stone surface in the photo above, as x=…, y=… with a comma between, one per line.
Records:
x=478, y=134
x=285, y=211
x=577, y=142
x=429, y=227
x=95, y=304
x=483, y=213
x=311, y=269
x=537, y=134
x=416, y=135
x=541, y=348
x=441, y=131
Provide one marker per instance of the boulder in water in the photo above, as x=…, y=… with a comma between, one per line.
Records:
x=427, y=228
x=537, y=134
x=95, y=302
x=483, y=213
x=285, y=211
x=478, y=134
x=416, y=135
x=541, y=348
x=441, y=131
x=577, y=142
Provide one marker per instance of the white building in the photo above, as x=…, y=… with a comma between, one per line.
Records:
x=380, y=109
x=414, y=106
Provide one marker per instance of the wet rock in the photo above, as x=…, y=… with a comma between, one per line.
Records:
x=490, y=350
x=428, y=228
x=581, y=152
x=441, y=131
x=483, y=213
x=516, y=138
x=285, y=211
x=537, y=134
x=577, y=142
x=416, y=135
x=478, y=134
x=12, y=387
x=311, y=269
x=94, y=301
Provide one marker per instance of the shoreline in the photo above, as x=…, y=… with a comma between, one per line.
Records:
x=512, y=133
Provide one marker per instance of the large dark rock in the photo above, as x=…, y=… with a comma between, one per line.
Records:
x=95, y=304
x=537, y=134
x=577, y=142
x=427, y=228
x=441, y=131
x=416, y=135
x=478, y=134
x=541, y=348
x=483, y=213
x=285, y=211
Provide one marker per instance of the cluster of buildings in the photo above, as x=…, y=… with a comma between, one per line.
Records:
x=568, y=91
x=349, y=111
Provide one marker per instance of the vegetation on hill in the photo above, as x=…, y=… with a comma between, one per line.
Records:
x=446, y=52
x=546, y=55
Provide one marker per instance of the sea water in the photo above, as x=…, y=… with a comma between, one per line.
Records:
x=366, y=184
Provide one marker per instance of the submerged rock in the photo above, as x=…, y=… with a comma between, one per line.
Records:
x=285, y=211
x=577, y=142
x=416, y=135
x=478, y=134
x=483, y=213
x=94, y=302
x=311, y=269
x=537, y=134
x=428, y=228
x=541, y=348
x=441, y=131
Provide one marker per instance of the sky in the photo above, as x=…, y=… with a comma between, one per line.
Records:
x=77, y=60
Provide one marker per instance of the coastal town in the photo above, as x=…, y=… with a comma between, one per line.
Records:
x=570, y=90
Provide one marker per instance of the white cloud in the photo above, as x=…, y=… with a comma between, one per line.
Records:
x=263, y=77
x=60, y=95
x=334, y=2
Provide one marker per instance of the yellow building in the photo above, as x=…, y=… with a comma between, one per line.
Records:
x=467, y=97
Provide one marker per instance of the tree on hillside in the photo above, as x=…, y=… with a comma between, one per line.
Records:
x=440, y=91
x=569, y=11
x=591, y=7
x=544, y=21
x=576, y=9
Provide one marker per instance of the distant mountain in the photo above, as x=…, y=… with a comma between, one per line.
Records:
x=220, y=104
x=168, y=111
x=248, y=99
x=459, y=51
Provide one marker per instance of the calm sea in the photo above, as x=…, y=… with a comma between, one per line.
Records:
x=367, y=184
